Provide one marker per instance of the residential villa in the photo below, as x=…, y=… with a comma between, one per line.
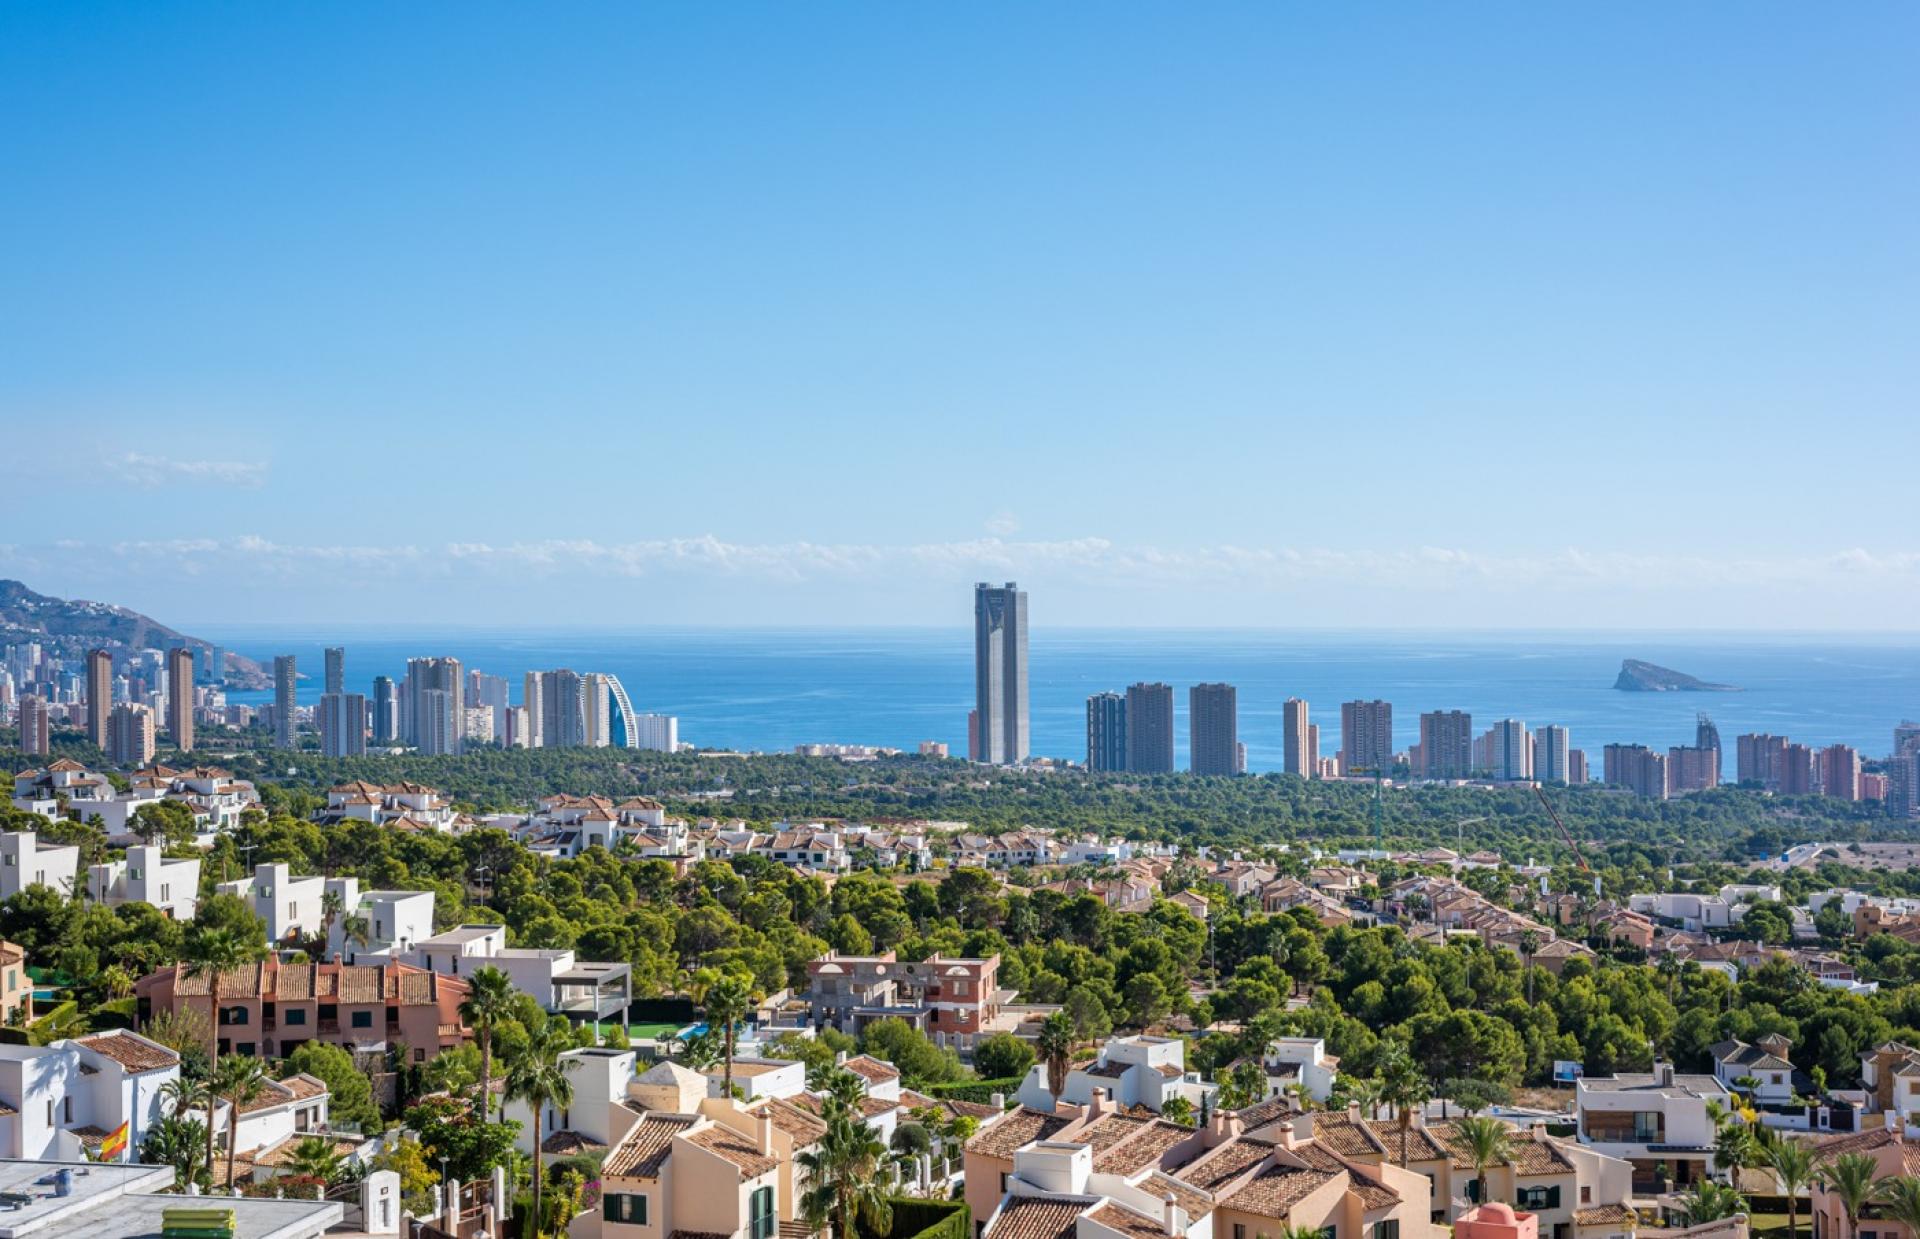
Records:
x=556, y=978
x=1652, y=1119
x=270, y=1008
x=1130, y=1071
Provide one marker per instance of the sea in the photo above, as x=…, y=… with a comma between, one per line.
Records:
x=768, y=689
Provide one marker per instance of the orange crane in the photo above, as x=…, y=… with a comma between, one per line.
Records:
x=1564, y=832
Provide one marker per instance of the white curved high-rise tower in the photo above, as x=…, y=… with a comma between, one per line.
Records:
x=621, y=729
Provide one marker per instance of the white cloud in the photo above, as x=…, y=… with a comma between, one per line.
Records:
x=1003, y=524
x=143, y=469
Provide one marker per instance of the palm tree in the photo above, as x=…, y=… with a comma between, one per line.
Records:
x=212, y=953
x=314, y=1157
x=1055, y=1048
x=1402, y=1085
x=1735, y=1149
x=842, y=1174
x=540, y=1077
x=1792, y=1165
x=182, y=1095
x=1529, y=943
x=1489, y=1142
x=331, y=906
x=179, y=1143
x=239, y=1082
x=1710, y=1202
x=1362, y=1092
x=356, y=928
x=1852, y=1180
x=1900, y=1201
x=727, y=998
x=489, y=1001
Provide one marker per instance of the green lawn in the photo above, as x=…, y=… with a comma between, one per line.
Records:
x=1774, y=1224
x=638, y=1031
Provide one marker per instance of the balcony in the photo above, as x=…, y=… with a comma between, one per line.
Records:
x=329, y=1028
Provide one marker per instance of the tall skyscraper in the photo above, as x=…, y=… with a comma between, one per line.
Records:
x=1550, y=754
x=490, y=691
x=1694, y=769
x=1295, y=729
x=1758, y=757
x=36, y=730
x=1000, y=672
x=563, y=709
x=1150, y=728
x=596, y=704
x=439, y=721
x=343, y=724
x=1366, y=737
x=286, y=700
x=180, y=698
x=1906, y=737
x=130, y=735
x=99, y=695
x=531, y=688
x=336, y=681
x=1576, y=767
x=386, y=711
x=1705, y=734
x=1796, y=770
x=1106, y=732
x=1213, y=729
x=1446, y=745
x=436, y=726
x=1840, y=772
x=1637, y=768
x=1313, y=751
x=1512, y=751
x=1903, y=781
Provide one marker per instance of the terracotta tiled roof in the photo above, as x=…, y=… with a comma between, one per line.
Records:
x=1421, y=1147
x=304, y=1087
x=1143, y=1149
x=1828, y=1147
x=1127, y=1222
x=1021, y=1127
x=1039, y=1217
x=870, y=1068
x=647, y=1146
x=804, y=1128
x=563, y=1143
x=1603, y=1215
x=1346, y=1136
x=130, y=1051
x=1221, y=1166
x=1276, y=1190
x=734, y=1147
x=1196, y=1202
x=1525, y=1154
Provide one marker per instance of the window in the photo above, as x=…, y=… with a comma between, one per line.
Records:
x=629, y=1208
x=761, y=1221
x=1388, y=1229
x=234, y=1015
x=1536, y=1198
x=66, y=1109
x=49, y=1112
x=295, y=1016
x=363, y=1019
x=1473, y=1191
x=1239, y=1230
x=1586, y=1194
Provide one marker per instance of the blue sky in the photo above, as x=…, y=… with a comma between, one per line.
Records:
x=1542, y=315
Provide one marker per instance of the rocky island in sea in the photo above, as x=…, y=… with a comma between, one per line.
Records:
x=1640, y=677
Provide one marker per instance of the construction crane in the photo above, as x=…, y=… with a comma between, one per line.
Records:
x=1379, y=827
x=1565, y=834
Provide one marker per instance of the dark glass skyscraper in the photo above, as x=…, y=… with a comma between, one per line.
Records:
x=1150, y=728
x=1000, y=671
x=1106, y=732
x=1213, y=729
x=386, y=711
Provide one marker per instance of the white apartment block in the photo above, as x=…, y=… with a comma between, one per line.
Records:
x=148, y=876
x=1305, y=1061
x=559, y=982
x=1140, y=1070
x=25, y=861
x=63, y=1099
x=294, y=909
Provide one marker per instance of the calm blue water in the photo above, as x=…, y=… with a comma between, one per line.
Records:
x=770, y=689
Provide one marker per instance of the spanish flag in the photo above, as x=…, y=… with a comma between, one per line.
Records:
x=115, y=1144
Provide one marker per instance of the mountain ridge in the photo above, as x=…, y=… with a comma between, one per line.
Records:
x=73, y=626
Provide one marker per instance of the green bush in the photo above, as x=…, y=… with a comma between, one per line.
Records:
x=914, y=1218
x=980, y=1092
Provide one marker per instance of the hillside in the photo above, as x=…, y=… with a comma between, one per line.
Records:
x=75, y=626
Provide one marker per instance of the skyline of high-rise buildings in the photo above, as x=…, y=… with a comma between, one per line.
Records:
x=433, y=705
x=1000, y=673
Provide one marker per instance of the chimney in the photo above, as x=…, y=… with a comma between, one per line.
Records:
x=840, y=1058
x=765, y=1133
x=1353, y=1112
x=1097, y=1106
x=1284, y=1134
x=999, y=1101
x=1171, y=1221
